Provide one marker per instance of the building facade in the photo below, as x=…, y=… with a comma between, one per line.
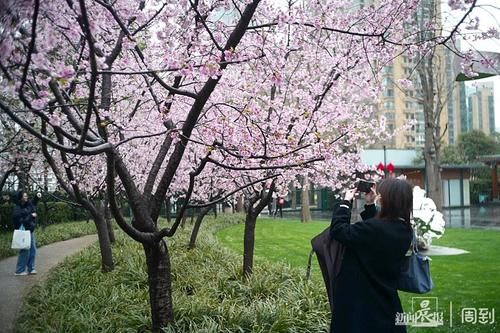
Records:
x=480, y=108
x=401, y=106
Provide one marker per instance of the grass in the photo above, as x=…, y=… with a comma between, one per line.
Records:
x=50, y=234
x=468, y=281
x=210, y=295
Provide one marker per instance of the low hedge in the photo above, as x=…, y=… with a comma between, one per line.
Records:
x=48, y=213
x=48, y=235
x=78, y=297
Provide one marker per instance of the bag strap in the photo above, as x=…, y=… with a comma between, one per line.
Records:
x=413, y=245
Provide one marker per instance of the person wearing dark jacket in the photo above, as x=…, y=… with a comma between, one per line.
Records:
x=366, y=297
x=25, y=216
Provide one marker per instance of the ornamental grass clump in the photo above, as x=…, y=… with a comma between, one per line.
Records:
x=210, y=293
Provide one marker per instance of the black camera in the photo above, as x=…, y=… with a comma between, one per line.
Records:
x=364, y=186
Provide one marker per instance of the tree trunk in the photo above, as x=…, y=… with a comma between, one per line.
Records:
x=196, y=228
x=433, y=176
x=160, y=285
x=22, y=176
x=293, y=204
x=183, y=221
x=4, y=178
x=249, y=241
x=107, y=264
x=109, y=222
x=239, y=205
x=167, y=207
x=45, y=177
x=305, y=211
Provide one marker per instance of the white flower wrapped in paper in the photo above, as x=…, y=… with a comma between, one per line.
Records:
x=427, y=221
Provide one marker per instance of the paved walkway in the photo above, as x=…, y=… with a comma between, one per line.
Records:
x=14, y=288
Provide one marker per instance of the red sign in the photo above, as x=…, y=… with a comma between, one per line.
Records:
x=390, y=167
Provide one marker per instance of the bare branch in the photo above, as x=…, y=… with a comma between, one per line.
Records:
x=93, y=66
x=272, y=167
x=260, y=180
x=98, y=149
x=31, y=48
x=142, y=237
x=169, y=232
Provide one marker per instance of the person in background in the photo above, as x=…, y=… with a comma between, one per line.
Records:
x=25, y=216
x=280, y=202
x=366, y=297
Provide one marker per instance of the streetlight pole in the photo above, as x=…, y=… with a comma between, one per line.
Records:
x=385, y=163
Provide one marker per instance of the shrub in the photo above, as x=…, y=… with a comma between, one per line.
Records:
x=78, y=297
x=6, y=211
x=48, y=213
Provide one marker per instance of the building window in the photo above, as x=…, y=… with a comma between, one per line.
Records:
x=389, y=105
x=388, y=69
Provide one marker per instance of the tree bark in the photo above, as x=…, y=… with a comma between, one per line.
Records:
x=249, y=241
x=160, y=285
x=433, y=176
x=305, y=211
x=430, y=72
x=4, y=178
x=22, y=176
x=250, y=222
x=196, y=228
x=239, y=205
x=109, y=222
x=294, y=197
x=167, y=207
x=184, y=218
x=107, y=264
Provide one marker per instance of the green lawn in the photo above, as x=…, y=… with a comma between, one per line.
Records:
x=468, y=281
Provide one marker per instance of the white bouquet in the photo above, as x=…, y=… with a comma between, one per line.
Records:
x=427, y=221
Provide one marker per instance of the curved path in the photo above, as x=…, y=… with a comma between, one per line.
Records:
x=14, y=288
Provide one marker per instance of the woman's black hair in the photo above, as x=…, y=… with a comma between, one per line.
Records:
x=19, y=197
x=397, y=199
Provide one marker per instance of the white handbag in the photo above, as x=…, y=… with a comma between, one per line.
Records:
x=21, y=240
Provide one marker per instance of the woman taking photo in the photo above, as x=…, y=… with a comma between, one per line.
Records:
x=366, y=297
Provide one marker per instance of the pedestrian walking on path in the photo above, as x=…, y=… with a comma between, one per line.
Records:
x=25, y=218
x=14, y=288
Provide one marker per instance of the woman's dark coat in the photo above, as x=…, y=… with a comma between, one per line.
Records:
x=366, y=298
x=23, y=214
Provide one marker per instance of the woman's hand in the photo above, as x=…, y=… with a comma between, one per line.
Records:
x=371, y=196
x=349, y=194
